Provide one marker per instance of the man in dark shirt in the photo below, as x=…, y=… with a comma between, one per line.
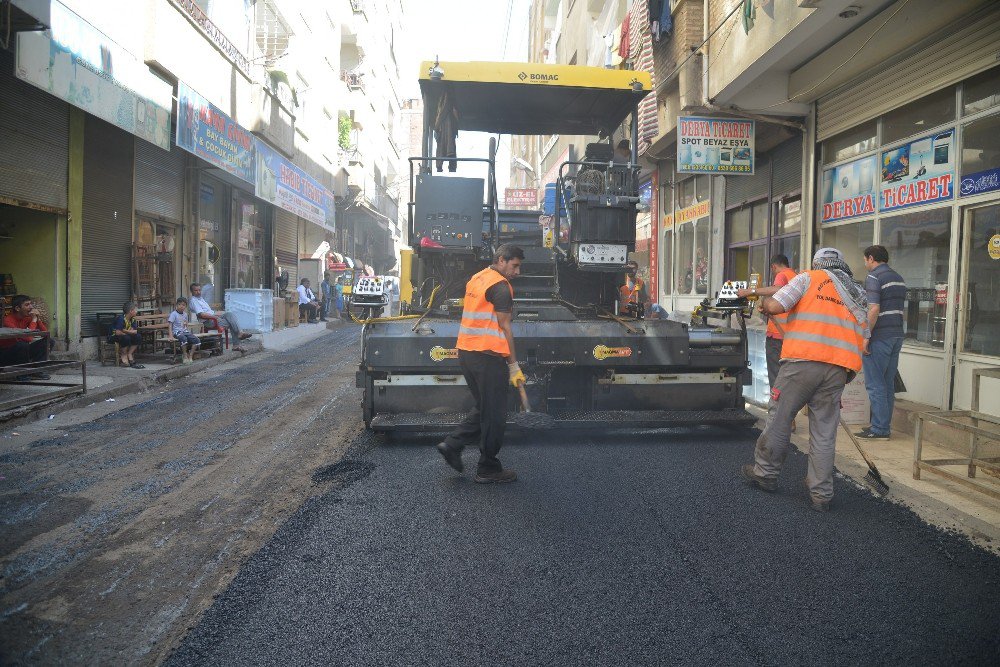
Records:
x=886, y=296
x=489, y=362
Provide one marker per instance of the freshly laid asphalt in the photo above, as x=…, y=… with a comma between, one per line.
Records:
x=609, y=550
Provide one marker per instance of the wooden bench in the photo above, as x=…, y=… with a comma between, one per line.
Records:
x=975, y=425
x=155, y=329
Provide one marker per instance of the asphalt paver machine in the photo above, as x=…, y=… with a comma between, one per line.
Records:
x=589, y=363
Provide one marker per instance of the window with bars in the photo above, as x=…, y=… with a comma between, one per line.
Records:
x=272, y=31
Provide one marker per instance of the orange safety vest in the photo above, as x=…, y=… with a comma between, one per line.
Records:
x=772, y=331
x=631, y=294
x=821, y=328
x=480, y=331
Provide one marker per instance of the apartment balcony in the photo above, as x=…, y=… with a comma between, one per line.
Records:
x=273, y=120
x=353, y=79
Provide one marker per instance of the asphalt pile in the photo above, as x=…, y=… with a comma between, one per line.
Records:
x=611, y=550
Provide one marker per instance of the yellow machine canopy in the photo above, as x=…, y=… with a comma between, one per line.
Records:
x=532, y=98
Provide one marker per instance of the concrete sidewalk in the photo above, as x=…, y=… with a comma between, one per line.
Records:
x=936, y=500
x=106, y=382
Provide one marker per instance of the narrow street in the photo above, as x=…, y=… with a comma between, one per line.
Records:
x=243, y=516
x=120, y=527
x=608, y=550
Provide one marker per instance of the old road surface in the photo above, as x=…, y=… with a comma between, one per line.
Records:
x=119, y=527
x=329, y=547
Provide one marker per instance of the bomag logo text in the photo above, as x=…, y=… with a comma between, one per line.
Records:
x=541, y=78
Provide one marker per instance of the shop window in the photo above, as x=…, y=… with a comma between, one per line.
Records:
x=981, y=92
x=855, y=141
x=789, y=220
x=918, y=245
x=683, y=277
x=667, y=255
x=667, y=197
x=982, y=292
x=685, y=193
x=738, y=225
x=701, y=256
x=789, y=247
x=851, y=239
x=758, y=220
x=920, y=116
x=691, y=274
x=701, y=188
x=981, y=155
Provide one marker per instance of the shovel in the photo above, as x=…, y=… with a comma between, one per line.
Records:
x=529, y=419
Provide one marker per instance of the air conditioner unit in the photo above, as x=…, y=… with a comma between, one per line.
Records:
x=810, y=4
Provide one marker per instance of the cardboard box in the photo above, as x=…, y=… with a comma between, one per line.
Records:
x=855, y=407
x=292, y=312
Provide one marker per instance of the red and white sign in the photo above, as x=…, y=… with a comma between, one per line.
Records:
x=520, y=197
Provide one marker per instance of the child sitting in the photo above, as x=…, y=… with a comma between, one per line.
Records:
x=180, y=331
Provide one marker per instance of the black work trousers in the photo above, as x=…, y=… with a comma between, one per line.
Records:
x=23, y=352
x=487, y=377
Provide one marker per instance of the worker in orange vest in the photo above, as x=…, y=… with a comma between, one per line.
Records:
x=825, y=332
x=489, y=363
x=634, y=289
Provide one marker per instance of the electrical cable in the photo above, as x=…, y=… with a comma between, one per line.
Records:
x=396, y=318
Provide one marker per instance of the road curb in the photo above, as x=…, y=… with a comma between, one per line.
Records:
x=140, y=384
x=928, y=508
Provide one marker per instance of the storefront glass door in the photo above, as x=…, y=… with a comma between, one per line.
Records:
x=978, y=342
x=248, y=220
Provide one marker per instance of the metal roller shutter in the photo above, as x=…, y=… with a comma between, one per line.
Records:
x=740, y=189
x=286, y=244
x=787, y=161
x=107, y=220
x=34, y=141
x=159, y=180
x=953, y=55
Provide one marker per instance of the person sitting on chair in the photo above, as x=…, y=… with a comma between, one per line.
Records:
x=308, y=306
x=126, y=334
x=218, y=320
x=24, y=315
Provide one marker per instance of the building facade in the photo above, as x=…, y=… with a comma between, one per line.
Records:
x=149, y=145
x=857, y=142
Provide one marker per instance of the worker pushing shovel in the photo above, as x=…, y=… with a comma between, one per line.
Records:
x=489, y=363
x=821, y=352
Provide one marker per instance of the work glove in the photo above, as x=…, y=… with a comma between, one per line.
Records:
x=516, y=376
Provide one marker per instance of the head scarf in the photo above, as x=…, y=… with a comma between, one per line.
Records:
x=853, y=293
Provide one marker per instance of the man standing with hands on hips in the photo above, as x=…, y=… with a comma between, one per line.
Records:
x=489, y=362
x=825, y=332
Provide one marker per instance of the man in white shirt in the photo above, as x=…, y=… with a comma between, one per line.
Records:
x=217, y=320
x=308, y=305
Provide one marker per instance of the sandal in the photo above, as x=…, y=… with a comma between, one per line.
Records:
x=133, y=364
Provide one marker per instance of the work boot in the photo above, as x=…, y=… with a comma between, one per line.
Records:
x=452, y=457
x=762, y=483
x=495, y=477
x=820, y=505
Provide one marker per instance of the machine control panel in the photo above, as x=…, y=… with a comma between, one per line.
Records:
x=727, y=295
x=369, y=286
x=448, y=212
x=591, y=254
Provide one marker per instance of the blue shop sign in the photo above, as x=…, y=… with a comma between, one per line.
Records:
x=203, y=129
x=980, y=182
